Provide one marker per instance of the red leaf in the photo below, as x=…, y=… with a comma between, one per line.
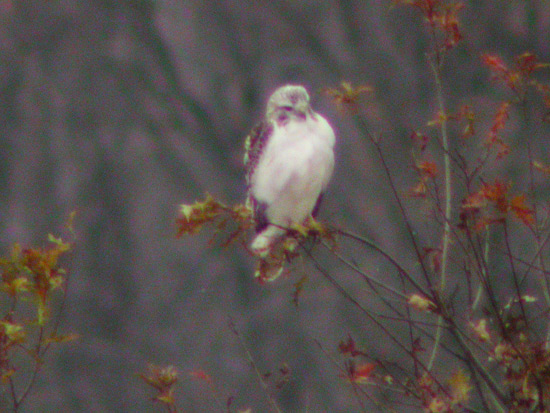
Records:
x=348, y=347
x=495, y=64
x=361, y=373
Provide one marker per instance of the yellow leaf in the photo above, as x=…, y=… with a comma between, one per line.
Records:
x=315, y=226
x=480, y=328
x=541, y=167
x=437, y=406
x=16, y=286
x=186, y=210
x=20, y=284
x=420, y=189
x=42, y=313
x=300, y=229
x=290, y=245
x=63, y=246
x=70, y=222
x=14, y=332
x=166, y=398
x=421, y=303
x=194, y=216
x=161, y=377
x=460, y=386
x=242, y=212
x=15, y=252
x=528, y=299
x=347, y=95
x=56, y=282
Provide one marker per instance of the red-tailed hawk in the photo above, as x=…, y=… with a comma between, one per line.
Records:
x=289, y=161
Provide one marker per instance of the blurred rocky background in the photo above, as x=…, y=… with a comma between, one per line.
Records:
x=121, y=110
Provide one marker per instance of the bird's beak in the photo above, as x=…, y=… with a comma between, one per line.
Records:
x=302, y=107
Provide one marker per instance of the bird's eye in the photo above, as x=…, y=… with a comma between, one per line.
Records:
x=287, y=108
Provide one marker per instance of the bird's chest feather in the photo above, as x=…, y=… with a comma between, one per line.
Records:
x=297, y=162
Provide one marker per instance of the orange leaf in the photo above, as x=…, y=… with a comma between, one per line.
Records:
x=474, y=201
x=496, y=193
x=428, y=168
x=361, y=373
x=522, y=211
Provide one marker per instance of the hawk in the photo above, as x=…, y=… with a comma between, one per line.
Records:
x=289, y=159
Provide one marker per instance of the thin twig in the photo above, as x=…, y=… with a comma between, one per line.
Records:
x=367, y=277
x=486, y=251
x=478, y=365
x=386, y=255
x=361, y=122
x=386, y=331
x=514, y=273
x=264, y=385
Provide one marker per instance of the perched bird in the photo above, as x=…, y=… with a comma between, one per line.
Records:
x=289, y=161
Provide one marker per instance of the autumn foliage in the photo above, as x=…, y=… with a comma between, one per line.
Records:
x=471, y=344
x=163, y=380
x=33, y=283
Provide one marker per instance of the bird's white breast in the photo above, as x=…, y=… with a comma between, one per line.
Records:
x=294, y=169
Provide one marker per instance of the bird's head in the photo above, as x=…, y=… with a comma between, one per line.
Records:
x=288, y=102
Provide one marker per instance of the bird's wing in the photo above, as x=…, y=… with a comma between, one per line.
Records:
x=254, y=145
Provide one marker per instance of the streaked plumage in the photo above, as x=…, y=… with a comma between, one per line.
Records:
x=289, y=161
